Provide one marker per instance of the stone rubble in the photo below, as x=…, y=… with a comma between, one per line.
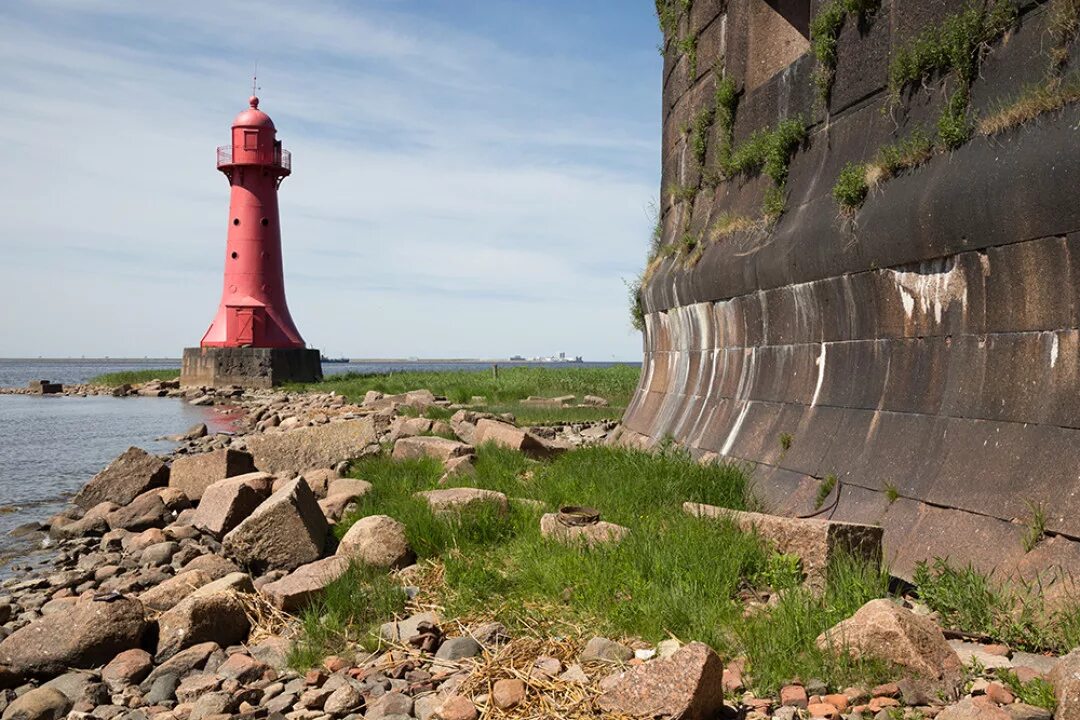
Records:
x=145, y=610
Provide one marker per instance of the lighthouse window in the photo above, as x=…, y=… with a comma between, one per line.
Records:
x=235, y=255
x=236, y=221
x=265, y=222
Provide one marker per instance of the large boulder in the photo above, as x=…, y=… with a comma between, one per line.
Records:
x=1065, y=678
x=414, y=448
x=341, y=494
x=87, y=635
x=166, y=595
x=194, y=473
x=513, y=437
x=687, y=685
x=131, y=474
x=377, y=540
x=227, y=502
x=215, y=612
x=979, y=708
x=453, y=500
x=322, y=446
x=305, y=584
x=814, y=541
x=885, y=631
x=144, y=512
x=43, y=703
x=286, y=531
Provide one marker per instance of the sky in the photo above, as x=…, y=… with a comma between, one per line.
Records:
x=471, y=178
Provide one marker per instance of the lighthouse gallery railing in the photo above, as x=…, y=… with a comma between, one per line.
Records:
x=278, y=157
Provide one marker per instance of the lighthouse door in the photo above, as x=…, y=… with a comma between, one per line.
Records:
x=245, y=326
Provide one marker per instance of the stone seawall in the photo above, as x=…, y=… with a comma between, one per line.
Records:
x=921, y=348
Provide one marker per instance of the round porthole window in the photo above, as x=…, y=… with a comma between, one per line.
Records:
x=236, y=221
x=265, y=222
x=235, y=255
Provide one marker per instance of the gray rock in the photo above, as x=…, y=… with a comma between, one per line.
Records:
x=226, y=503
x=159, y=554
x=89, y=635
x=377, y=540
x=215, y=703
x=286, y=531
x=297, y=451
x=144, y=512
x=305, y=584
x=458, y=648
x=183, y=663
x=1023, y=711
x=600, y=649
x=347, y=699
x=214, y=612
x=385, y=706
x=193, y=474
x=38, y=704
x=163, y=689
x=132, y=473
x=402, y=630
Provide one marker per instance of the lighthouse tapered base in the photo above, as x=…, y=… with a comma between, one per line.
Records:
x=248, y=367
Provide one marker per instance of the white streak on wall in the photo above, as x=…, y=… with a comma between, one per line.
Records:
x=820, y=375
x=933, y=288
x=1054, y=350
x=742, y=393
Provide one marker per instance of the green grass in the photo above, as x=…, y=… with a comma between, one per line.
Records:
x=1037, y=692
x=699, y=138
x=769, y=151
x=131, y=377
x=780, y=644
x=850, y=189
x=954, y=124
x=353, y=606
x=824, y=491
x=616, y=384
x=673, y=575
x=824, y=34
x=952, y=45
x=1014, y=613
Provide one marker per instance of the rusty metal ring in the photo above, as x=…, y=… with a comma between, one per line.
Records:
x=576, y=515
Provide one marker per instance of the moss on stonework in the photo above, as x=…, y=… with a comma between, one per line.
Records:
x=824, y=37
x=954, y=45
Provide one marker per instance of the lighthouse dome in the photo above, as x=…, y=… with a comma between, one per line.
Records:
x=253, y=116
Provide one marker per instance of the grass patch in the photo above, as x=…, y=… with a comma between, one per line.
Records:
x=1037, y=692
x=953, y=45
x=1048, y=96
x=780, y=644
x=912, y=151
x=824, y=491
x=133, y=377
x=615, y=383
x=850, y=189
x=1064, y=23
x=769, y=151
x=1014, y=613
x=673, y=575
x=1036, y=526
x=353, y=606
x=699, y=137
x=637, y=305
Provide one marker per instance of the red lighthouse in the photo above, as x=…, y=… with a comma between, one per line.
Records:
x=252, y=339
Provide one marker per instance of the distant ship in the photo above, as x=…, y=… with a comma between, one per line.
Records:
x=325, y=359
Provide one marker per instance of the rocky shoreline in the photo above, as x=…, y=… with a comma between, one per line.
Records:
x=176, y=581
